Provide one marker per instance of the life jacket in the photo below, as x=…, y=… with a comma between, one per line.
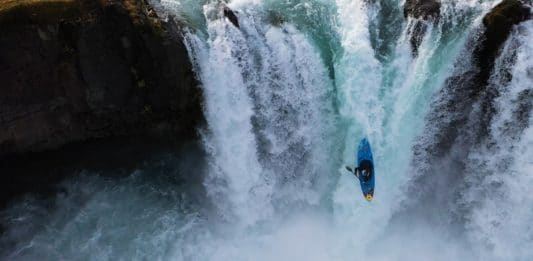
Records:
x=366, y=168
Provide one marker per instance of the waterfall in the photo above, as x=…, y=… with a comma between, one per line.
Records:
x=279, y=96
x=289, y=88
x=500, y=166
x=236, y=180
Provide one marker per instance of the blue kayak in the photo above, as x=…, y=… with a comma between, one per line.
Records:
x=364, y=158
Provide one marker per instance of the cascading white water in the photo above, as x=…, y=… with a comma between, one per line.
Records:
x=358, y=79
x=277, y=90
x=283, y=117
x=387, y=102
x=502, y=166
x=236, y=180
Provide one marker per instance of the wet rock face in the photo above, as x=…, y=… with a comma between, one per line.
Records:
x=424, y=9
x=90, y=70
x=498, y=25
x=469, y=86
x=232, y=17
x=425, y=12
x=460, y=118
x=417, y=31
x=505, y=14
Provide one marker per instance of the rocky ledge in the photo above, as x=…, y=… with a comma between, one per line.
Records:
x=425, y=9
x=424, y=12
x=73, y=71
x=96, y=85
x=498, y=25
x=468, y=87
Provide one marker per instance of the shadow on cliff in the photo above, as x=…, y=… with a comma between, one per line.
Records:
x=459, y=121
x=101, y=84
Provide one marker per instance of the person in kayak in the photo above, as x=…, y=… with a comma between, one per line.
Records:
x=364, y=169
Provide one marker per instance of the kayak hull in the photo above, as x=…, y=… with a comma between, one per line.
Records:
x=364, y=152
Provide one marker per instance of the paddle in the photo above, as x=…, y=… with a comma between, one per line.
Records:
x=352, y=171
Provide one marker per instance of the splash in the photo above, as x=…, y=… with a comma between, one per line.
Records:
x=287, y=96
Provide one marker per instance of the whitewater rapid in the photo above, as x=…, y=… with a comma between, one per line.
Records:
x=287, y=96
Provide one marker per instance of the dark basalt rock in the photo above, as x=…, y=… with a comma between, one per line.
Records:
x=424, y=11
x=417, y=32
x=230, y=14
x=89, y=85
x=498, y=25
x=92, y=69
x=470, y=86
x=460, y=119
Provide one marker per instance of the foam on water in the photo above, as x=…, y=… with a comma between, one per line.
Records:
x=501, y=167
x=285, y=108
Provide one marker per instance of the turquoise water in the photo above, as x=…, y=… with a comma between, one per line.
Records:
x=288, y=95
